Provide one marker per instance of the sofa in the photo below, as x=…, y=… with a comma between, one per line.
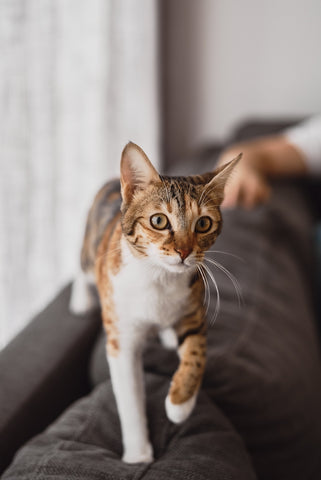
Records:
x=258, y=411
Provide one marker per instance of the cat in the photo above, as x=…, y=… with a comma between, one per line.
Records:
x=145, y=238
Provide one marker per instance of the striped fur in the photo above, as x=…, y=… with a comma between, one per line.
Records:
x=147, y=278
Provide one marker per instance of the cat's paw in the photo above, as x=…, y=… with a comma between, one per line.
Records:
x=177, y=413
x=82, y=298
x=143, y=455
x=168, y=338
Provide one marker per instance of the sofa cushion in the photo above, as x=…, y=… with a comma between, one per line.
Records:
x=263, y=373
x=85, y=443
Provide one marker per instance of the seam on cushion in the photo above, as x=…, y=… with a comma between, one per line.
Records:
x=44, y=461
x=186, y=474
x=49, y=470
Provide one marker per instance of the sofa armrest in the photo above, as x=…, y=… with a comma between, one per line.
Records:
x=42, y=371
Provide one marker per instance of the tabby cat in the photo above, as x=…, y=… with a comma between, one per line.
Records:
x=145, y=239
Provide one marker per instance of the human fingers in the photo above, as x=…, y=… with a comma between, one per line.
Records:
x=257, y=191
x=232, y=193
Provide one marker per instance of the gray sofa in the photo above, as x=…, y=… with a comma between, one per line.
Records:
x=257, y=415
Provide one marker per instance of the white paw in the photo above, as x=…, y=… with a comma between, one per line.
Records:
x=143, y=455
x=177, y=413
x=82, y=298
x=168, y=338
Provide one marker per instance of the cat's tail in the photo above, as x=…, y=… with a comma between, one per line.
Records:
x=84, y=297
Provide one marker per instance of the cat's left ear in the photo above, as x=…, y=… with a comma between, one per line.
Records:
x=136, y=171
x=221, y=176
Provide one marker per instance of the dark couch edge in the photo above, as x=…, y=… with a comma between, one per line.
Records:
x=43, y=369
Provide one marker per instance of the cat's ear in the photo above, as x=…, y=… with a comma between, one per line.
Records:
x=222, y=175
x=136, y=171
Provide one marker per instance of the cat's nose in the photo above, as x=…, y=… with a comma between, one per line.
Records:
x=183, y=252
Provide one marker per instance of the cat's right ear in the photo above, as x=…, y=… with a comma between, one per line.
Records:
x=136, y=171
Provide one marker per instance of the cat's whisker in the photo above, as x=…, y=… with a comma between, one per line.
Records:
x=218, y=300
x=207, y=294
x=226, y=253
x=202, y=277
x=234, y=281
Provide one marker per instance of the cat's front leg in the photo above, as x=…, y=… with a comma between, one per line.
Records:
x=186, y=381
x=128, y=386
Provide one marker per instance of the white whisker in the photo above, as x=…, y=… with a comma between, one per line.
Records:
x=218, y=301
x=207, y=292
x=231, y=277
x=226, y=253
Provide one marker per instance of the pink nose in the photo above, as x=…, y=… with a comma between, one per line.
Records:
x=184, y=252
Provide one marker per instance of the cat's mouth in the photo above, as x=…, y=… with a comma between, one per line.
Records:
x=179, y=267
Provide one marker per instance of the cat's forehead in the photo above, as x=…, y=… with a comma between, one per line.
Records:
x=181, y=193
x=182, y=199
x=177, y=191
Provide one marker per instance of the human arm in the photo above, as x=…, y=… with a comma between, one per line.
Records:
x=264, y=158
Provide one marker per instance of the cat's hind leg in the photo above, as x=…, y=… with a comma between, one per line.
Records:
x=168, y=338
x=83, y=296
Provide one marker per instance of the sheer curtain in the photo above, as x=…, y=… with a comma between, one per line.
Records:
x=78, y=79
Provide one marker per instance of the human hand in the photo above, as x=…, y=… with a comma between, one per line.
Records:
x=247, y=186
x=263, y=158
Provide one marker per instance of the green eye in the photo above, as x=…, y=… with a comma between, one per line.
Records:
x=159, y=221
x=203, y=225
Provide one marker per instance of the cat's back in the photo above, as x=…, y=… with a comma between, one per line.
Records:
x=102, y=214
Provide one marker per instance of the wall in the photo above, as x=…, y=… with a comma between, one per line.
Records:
x=227, y=60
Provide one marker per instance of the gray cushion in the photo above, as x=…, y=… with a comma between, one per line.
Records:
x=85, y=443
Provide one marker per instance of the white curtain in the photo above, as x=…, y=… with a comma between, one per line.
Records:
x=78, y=79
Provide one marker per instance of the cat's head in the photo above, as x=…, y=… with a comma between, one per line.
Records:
x=171, y=221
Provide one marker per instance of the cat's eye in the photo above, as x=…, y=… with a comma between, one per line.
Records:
x=203, y=225
x=159, y=221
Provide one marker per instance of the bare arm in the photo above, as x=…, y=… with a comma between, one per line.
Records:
x=262, y=159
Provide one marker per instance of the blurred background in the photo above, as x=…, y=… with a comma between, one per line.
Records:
x=79, y=78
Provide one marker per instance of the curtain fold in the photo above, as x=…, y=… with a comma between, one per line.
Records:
x=78, y=79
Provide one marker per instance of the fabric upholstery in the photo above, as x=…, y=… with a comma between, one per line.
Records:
x=42, y=371
x=262, y=382
x=85, y=443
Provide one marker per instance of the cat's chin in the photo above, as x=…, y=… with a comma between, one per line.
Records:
x=178, y=268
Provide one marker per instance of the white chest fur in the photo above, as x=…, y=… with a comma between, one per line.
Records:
x=147, y=295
